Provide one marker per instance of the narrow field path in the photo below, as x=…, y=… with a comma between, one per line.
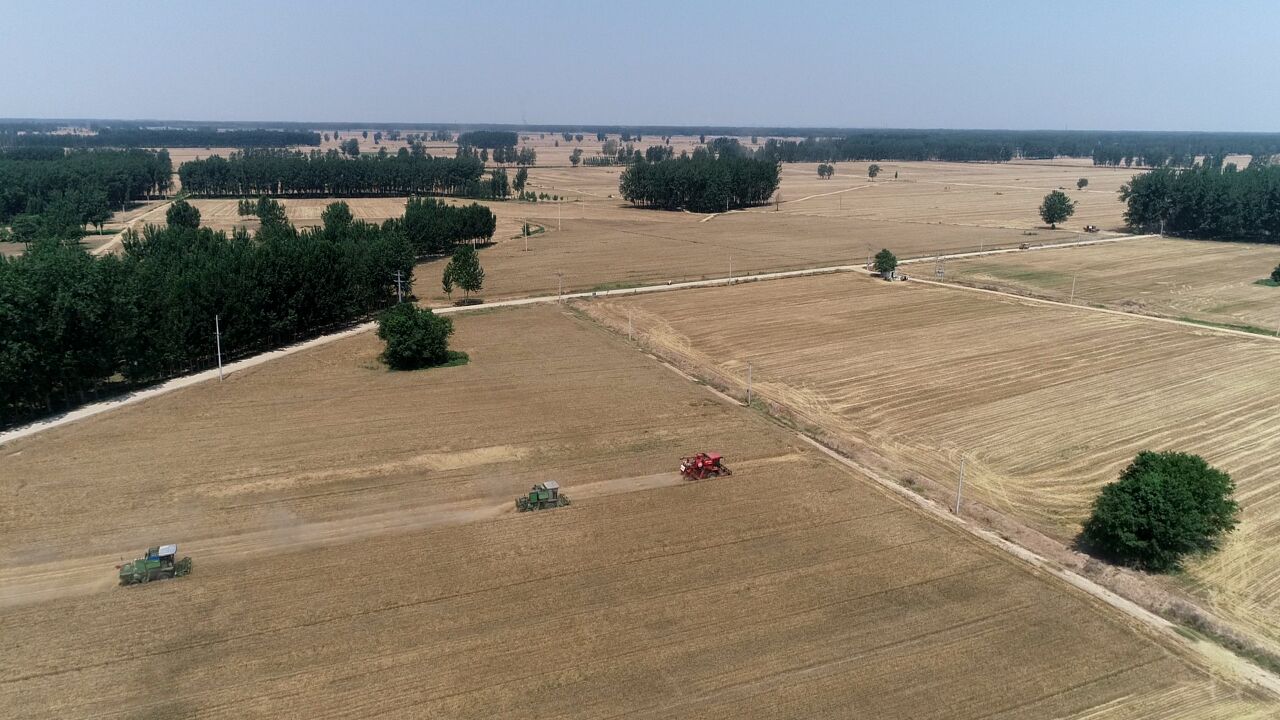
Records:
x=118, y=240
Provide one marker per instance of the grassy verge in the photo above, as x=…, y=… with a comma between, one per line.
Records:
x=1230, y=326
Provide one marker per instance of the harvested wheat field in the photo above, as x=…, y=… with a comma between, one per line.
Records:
x=1045, y=404
x=1208, y=281
x=356, y=554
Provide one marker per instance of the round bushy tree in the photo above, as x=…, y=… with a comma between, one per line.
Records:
x=1164, y=506
x=1056, y=208
x=182, y=214
x=1275, y=275
x=415, y=337
x=886, y=262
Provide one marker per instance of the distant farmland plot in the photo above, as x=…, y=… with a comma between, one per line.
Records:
x=1210, y=281
x=356, y=553
x=1044, y=404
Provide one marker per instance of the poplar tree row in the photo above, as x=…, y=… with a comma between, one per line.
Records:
x=1207, y=202
x=282, y=172
x=76, y=188
x=76, y=326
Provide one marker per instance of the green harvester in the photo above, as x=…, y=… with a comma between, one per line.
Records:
x=159, y=563
x=541, y=497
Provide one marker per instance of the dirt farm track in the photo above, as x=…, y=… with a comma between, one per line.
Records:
x=350, y=568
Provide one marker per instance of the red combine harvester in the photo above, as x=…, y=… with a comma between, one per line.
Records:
x=702, y=466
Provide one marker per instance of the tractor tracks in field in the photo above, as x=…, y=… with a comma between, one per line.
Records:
x=1203, y=653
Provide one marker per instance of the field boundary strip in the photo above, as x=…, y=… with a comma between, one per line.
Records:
x=192, y=379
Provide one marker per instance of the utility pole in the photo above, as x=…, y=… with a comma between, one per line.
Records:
x=560, y=287
x=731, y=267
x=558, y=216
x=399, y=287
x=524, y=229
x=217, y=334
x=1073, y=289
x=748, y=384
x=960, y=487
x=630, y=327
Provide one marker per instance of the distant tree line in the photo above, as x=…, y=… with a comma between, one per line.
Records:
x=55, y=190
x=156, y=138
x=702, y=182
x=74, y=325
x=1153, y=149
x=488, y=139
x=1207, y=202
x=282, y=172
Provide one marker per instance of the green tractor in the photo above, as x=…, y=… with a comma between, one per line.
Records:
x=159, y=563
x=542, y=496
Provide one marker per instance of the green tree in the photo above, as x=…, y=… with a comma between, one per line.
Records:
x=886, y=262
x=1164, y=506
x=499, y=187
x=464, y=270
x=575, y=157
x=182, y=214
x=415, y=337
x=1275, y=275
x=1056, y=208
x=522, y=176
x=1082, y=183
x=873, y=170
x=336, y=216
x=351, y=147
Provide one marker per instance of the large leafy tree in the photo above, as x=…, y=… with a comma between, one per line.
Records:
x=415, y=337
x=1056, y=208
x=1165, y=506
x=886, y=261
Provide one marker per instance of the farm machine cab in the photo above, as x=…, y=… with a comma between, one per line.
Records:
x=159, y=563
x=703, y=465
x=542, y=496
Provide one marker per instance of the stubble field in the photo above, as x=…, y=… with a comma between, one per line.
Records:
x=1208, y=281
x=356, y=554
x=1044, y=404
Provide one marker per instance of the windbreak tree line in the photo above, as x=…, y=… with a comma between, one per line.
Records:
x=1207, y=202
x=281, y=172
x=77, y=188
x=165, y=137
x=488, y=139
x=702, y=182
x=73, y=324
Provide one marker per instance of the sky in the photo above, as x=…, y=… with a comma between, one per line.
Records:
x=1073, y=64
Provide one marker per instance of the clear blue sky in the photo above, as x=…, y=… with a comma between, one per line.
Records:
x=1080, y=64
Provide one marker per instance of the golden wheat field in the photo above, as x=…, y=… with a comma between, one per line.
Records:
x=357, y=553
x=1209, y=281
x=1043, y=403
